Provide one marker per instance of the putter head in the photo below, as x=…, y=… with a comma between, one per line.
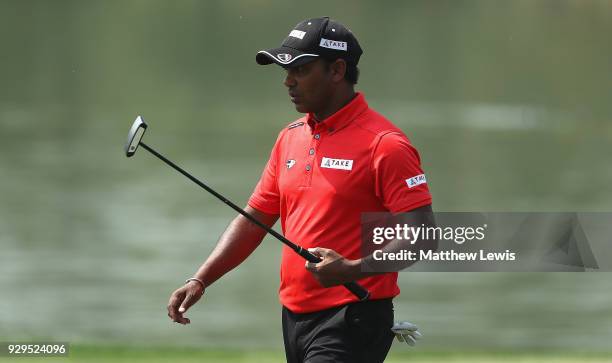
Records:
x=134, y=136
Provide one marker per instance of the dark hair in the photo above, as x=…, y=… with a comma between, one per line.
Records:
x=352, y=71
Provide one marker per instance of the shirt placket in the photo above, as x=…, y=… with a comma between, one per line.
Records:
x=311, y=157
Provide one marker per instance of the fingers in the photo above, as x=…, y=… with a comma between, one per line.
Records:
x=179, y=318
x=319, y=251
x=311, y=266
x=173, y=305
x=315, y=251
x=177, y=300
x=189, y=300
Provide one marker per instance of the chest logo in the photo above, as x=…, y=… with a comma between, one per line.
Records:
x=342, y=164
x=290, y=163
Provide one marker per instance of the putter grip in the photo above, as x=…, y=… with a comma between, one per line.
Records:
x=357, y=290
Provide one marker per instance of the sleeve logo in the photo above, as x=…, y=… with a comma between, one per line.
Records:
x=416, y=180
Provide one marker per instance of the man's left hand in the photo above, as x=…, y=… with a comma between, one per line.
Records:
x=333, y=269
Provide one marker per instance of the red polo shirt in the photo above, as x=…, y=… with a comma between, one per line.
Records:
x=320, y=177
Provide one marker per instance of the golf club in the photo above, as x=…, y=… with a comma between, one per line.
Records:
x=134, y=140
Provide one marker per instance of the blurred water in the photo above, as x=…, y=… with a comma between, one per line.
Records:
x=508, y=103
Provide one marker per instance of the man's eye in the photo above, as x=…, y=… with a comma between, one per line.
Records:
x=298, y=71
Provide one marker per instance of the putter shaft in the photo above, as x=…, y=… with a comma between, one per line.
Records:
x=357, y=290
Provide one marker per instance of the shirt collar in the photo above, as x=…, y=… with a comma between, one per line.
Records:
x=341, y=118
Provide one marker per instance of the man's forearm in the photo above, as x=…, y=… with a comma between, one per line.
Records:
x=238, y=241
x=421, y=216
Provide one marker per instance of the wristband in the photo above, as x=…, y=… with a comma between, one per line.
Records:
x=198, y=281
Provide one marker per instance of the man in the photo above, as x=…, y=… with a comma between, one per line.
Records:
x=325, y=170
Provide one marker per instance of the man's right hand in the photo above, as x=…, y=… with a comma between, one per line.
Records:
x=240, y=238
x=182, y=299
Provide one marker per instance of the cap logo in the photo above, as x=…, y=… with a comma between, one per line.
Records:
x=333, y=44
x=297, y=34
x=284, y=57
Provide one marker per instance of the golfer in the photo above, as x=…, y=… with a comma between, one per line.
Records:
x=327, y=168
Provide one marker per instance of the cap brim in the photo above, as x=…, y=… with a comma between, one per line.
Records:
x=284, y=57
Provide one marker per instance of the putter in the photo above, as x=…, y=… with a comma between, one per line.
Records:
x=135, y=139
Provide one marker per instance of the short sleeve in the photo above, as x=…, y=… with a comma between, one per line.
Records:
x=266, y=196
x=399, y=179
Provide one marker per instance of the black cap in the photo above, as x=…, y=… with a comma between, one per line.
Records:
x=318, y=37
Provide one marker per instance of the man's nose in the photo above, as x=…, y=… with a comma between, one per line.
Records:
x=289, y=81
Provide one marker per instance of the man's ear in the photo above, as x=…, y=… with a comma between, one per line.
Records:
x=338, y=68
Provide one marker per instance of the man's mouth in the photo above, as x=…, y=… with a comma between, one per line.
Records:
x=294, y=97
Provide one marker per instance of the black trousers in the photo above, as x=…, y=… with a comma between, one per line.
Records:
x=359, y=332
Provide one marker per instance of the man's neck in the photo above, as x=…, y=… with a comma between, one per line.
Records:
x=336, y=104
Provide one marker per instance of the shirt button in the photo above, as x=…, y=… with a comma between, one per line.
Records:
x=317, y=136
x=308, y=167
x=311, y=152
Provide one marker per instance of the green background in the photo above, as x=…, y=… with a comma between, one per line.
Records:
x=508, y=103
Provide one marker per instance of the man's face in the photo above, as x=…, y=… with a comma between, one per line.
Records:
x=310, y=86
